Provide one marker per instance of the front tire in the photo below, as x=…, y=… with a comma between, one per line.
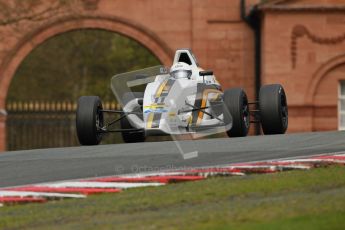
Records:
x=236, y=102
x=130, y=136
x=89, y=120
x=273, y=109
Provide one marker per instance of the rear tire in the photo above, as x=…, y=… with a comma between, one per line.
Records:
x=131, y=137
x=89, y=120
x=273, y=109
x=236, y=102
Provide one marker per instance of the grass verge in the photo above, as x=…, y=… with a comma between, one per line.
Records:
x=312, y=199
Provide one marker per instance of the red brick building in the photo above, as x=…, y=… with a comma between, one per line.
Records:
x=298, y=43
x=303, y=47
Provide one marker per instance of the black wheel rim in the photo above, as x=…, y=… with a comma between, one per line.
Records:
x=245, y=112
x=99, y=121
x=284, y=109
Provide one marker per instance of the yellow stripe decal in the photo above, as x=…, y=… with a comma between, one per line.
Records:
x=149, y=120
x=152, y=119
x=203, y=102
x=153, y=106
x=160, y=89
x=158, y=94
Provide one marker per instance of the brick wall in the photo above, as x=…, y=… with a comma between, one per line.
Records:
x=304, y=50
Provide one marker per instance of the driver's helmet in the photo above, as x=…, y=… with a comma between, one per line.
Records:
x=181, y=70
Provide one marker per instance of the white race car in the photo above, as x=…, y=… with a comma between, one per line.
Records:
x=183, y=99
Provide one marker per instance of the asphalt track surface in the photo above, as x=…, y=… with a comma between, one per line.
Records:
x=47, y=165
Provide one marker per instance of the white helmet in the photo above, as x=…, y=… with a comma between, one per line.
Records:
x=181, y=70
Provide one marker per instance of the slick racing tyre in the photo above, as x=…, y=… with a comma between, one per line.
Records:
x=131, y=136
x=89, y=120
x=273, y=109
x=236, y=102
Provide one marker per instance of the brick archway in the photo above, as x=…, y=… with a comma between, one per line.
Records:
x=24, y=46
x=114, y=24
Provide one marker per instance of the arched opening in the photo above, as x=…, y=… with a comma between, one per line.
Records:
x=27, y=43
x=42, y=94
x=76, y=63
x=325, y=95
x=125, y=27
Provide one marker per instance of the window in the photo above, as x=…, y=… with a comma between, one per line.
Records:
x=341, y=106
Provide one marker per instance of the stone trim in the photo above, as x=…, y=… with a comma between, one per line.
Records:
x=299, y=31
x=319, y=8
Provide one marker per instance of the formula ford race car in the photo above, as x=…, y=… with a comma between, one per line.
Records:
x=184, y=99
